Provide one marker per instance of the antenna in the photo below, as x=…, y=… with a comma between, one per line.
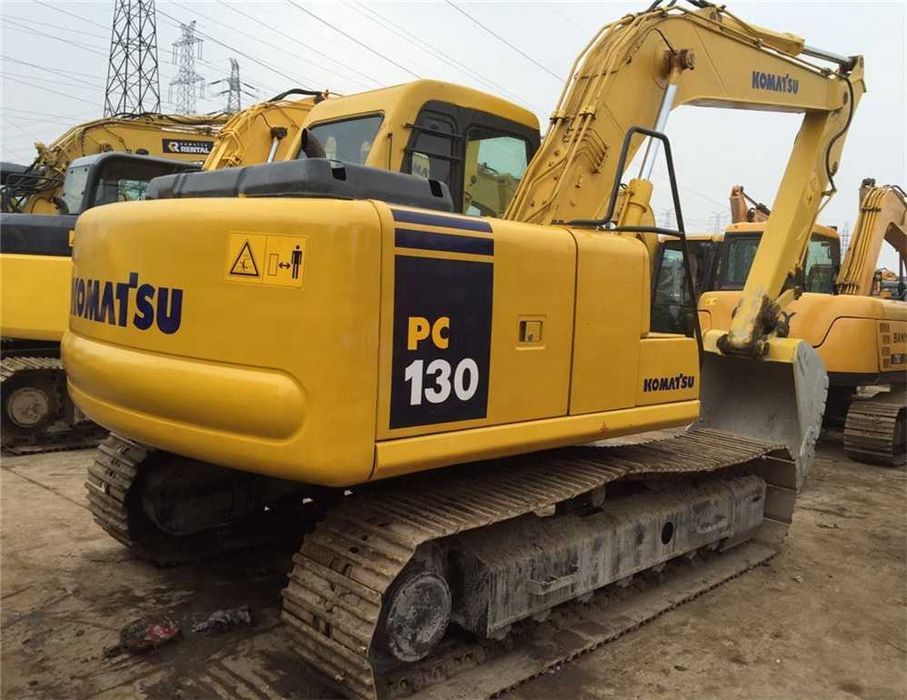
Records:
x=133, y=84
x=188, y=83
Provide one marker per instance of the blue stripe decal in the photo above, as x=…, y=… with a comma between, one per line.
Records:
x=428, y=240
x=418, y=217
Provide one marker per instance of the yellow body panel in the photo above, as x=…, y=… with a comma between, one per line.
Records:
x=34, y=290
x=416, y=340
x=844, y=329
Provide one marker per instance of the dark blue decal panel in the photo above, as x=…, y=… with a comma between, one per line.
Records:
x=423, y=218
x=429, y=240
x=441, y=340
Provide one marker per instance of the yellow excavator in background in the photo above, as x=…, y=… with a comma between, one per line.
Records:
x=263, y=132
x=331, y=335
x=882, y=219
x=35, y=270
x=38, y=188
x=861, y=337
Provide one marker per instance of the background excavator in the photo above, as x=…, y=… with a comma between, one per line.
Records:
x=35, y=270
x=860, y=334
x=38, y=188
x=333, y=334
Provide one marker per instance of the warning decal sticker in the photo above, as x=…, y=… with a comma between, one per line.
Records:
x=245, y=264
x=266, y=259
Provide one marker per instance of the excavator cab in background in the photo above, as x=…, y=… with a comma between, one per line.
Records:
x=339, y=334
x=721, y=262
x=35, y=279
x=37, y=189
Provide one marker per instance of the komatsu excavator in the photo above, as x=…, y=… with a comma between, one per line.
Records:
x=861, y=337
x=326, y=333
x=38, y=189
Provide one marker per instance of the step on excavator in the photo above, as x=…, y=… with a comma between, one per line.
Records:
x=335, y=339
x=35, y=270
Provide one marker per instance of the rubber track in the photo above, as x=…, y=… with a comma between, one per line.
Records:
x=333, y=599
x=874, y=430
x=111, y=479
x=11, y=365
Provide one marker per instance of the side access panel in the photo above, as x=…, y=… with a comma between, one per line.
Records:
x=476, y=322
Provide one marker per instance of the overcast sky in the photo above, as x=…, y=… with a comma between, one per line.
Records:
x=54, y=67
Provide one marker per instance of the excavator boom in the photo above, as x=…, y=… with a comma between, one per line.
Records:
x=882, y=219
x=638, y=69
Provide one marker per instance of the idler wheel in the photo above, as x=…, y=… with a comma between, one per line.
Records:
x=415, y=615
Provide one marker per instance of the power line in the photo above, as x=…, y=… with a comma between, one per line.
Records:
x=71, y=14
x=64, y=73
x=68, y=42
x=305, y=46
x=52, y=81
x=59, y=27
x=502, y=39
x=56, y=92
x=353, y=39
x=68, y=117
x=428, y=48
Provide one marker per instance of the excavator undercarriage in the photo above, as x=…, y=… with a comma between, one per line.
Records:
x=395, y=591
x=876, y=428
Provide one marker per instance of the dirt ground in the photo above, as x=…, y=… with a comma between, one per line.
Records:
x=826, y=618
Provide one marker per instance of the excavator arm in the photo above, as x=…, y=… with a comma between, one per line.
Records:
x=883, y=218
x=263, y=132
x=634, y=72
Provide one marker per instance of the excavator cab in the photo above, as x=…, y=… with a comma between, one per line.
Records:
x=478, y=145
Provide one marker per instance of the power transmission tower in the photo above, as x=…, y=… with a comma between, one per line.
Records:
x=133, y=84
x=234, y=91
x=188, y=83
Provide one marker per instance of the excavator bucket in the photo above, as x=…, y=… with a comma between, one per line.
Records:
x=779, y=398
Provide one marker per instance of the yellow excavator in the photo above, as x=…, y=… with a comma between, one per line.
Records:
x=104, y=161
x=334, y=339
x=861, y=336
x=39, y=188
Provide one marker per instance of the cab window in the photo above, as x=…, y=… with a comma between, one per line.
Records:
x=125, y=180
x=74, y=187
x=741, y=251
x=347, y=140
x=494, y=165
x=820, y=265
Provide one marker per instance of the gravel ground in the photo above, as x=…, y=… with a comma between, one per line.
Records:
x=826, y=617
